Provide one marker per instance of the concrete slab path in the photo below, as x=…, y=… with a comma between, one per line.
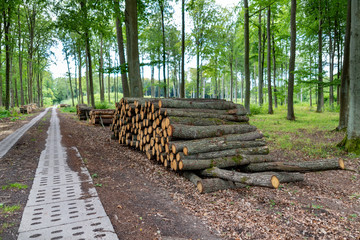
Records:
x=57, y=207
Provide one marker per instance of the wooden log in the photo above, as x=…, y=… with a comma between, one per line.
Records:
x=225, y=162
x=195, y=121
x=192, y=177
x=286, y=177
x=195, y=132
x=202, y=114
x=215, y=184
x=220, y=105
x=102, y=111
x=253, y=179
x=228, y=153
x=308, y=166
x=179, y=145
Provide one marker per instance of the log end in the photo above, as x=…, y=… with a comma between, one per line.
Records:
x=341, y=164
x=200, y=187
x=181, y=165
x=185, y=151
x=275, y=182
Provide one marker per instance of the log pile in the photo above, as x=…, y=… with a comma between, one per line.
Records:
x=64, y=105
x=101, y=116
x=203, y=139
x=28, y=108
x=83, y=111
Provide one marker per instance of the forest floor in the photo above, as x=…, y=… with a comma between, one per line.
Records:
x=146, y=201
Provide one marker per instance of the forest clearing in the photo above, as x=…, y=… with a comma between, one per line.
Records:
x=174, y=120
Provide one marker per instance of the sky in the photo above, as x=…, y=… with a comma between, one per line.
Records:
x=58, y=66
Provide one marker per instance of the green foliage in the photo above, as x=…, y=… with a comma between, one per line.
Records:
x=9, y=209
x=256, y=109
x=103, y=105
x=4, y=113
x=18, y=186
x=68, y=109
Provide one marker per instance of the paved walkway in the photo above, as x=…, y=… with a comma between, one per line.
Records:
x=7, y=143
x=57, y=207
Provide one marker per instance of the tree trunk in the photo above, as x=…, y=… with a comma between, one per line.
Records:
x=136, y=89
x=308, y=166
x=195, y=132
x=101, y=72
x=231, y=77
x=196, y=121
x=228, y=153
x=87, y=79
x=345, y=78
x=69, y=75
x=224, y=162
x=1, y=83
x=270, y=108
x=254, y=179
x=260, y=65
x=22, y=102
x=161, y=4
x=199, y=113
x=320, y=100
x=7, y=24
x=353, y=128
x=120, y=42
x=193, y=103
x=182, y=84
x=247, y=53
x=80, y=87
x=274, y=64
x=331, y=57
x=290, y=105
x=152, y=81
x=109, y=80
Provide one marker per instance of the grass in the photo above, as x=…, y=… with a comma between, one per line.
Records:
x=310, y=134
x=13, y=114
x=16, y=185
x=9, y=209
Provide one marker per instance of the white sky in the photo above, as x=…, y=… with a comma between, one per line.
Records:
x=58, y=66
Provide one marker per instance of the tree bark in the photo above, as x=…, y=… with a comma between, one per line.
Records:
x=69, y=75
x=7, y=24
x=353, y=129
x=195, y=132
x=197, y=121
x=101, y=72
x=1, y=83
x=320, y=100
x=182, y=84
x=308, y=166
x=87, y=80
x=274, y=64
x=255, y=179
x=345, y=78
x=247, y=53
x=228, y=153
x=120, y=42
x=215, y=184
x=193, y=103
x=136, y=89
x=224, y=162
x=290, y=105
x=261, y=101
x=270, y=108
x=22, y=102
x=161, y=4
x=80, y=87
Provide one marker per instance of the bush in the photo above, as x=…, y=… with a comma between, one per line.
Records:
x=68, y=109
x=4, y=113
x=256, y=109
x=103, y=105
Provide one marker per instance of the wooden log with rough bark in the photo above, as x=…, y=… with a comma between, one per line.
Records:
x=228, y=153
x=304, y=166
x=196, y=132
x=286, y=177
x=253, y=179
x=250, y=136
x=217, y=105
x=196, y=121
x=204, y=113
x=225, y=162
x=215, y=184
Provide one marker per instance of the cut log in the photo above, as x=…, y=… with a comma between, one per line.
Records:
x=200, y=113
x=286, y=177
x=195, y=132
x=229, y=153
x=308, y=166
x=215, y=184
x=234, y=161
x=179, y=145
x=254, y=179
x=219, y=105
x=192, y=177
x=196, y=121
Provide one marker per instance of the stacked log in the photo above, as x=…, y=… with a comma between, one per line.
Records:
x=83, y=111
x=62, y=105
x=28, y=108
x=101, y=116
x=203, y=139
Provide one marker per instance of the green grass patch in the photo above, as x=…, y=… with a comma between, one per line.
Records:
x=9, y=209
x=16, y=185
x=68, y=109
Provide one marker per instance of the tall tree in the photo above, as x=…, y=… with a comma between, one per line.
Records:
x=320, y=100
x=270, y=108
x=162, y=8
x=353, y=128
x=7, y=24
x=182, y=83
x=290, y=105
x=247, y=53
x=260, y=74
x=132, y=48
x=120, y=43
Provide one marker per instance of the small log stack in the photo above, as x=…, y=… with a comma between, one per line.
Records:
x=203, y=139
x=28, y=108
x=104, y=116
x=83, y=111
x=64, y=105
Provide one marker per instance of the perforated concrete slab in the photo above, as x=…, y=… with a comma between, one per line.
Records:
x=54, y=214
x=57, y=207
x=7, y=143
x=58, y=194
x=92, y=229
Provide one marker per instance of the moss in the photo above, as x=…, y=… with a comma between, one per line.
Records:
x=237, y=159
x=243, y=179
x=353, y=145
